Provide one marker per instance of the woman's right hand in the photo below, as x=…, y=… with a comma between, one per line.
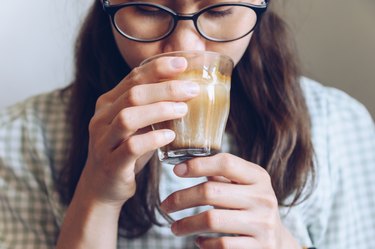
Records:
x=120, y=143
x=121, y=140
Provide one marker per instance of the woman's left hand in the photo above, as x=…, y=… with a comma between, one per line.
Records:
x=245, y=205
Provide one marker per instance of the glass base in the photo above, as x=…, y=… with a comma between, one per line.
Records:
x=178, y=156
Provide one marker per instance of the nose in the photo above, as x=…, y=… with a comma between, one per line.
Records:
x=184, y=37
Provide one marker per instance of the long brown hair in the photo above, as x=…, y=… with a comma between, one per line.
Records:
x=268, y=119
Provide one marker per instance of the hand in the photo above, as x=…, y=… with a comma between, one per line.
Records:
x=121, y=140
x=245, y=205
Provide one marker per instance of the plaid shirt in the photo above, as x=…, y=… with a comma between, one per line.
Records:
x=339, y=214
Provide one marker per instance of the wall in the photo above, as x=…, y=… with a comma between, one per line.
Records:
x=336, y=40
x=36, y=40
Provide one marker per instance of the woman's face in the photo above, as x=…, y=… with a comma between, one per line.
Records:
x=184, y=37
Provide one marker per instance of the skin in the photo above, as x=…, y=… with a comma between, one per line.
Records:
x=121, y=142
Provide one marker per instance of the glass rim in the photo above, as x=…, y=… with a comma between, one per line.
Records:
x=181, y=52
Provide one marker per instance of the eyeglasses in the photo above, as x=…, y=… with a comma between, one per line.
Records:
x=149, y=22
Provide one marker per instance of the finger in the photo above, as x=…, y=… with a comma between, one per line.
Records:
x=173, y=90
x=220, y=221
x=240, y=242
x=139, y=145
x=218, y=179
x=129, y=120
x=178, y=91
x=157, y=70
x=231, y=167
x=223, y=195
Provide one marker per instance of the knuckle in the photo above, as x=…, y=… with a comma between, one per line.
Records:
x=94, y=124
x=273, y=202
x=193, y=166
x=176, y=199
x=225, y=162
x=212, y=219
x=268, y=201
x=135, y=74
x=210, y=191
x=159, y=68
x=124, y=120
x=102, y=100
x=172, y=89
x=131, y=146
x=267, y=226
x=134, y=96
x=264, y=174
x=224, y=243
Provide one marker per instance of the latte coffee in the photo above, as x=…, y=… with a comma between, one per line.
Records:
x=200, y=132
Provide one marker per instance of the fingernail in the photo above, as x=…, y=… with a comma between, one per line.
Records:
x=180, y=169
x=192, y=88
x=178, y=62
x=180, y=108
x=169, y=135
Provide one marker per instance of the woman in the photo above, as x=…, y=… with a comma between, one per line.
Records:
x=77, y=166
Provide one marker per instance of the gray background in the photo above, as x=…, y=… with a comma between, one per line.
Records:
x=335, y=38
x=336, y=42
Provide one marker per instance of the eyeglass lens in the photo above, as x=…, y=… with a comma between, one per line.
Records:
x=227, y=22
x=150, y=22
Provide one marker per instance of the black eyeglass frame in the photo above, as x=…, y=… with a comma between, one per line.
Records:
x=112, y=9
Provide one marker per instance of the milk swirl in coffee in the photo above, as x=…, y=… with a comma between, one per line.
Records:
x=199, y=133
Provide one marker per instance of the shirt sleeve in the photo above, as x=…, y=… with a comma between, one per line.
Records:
x=27, y=196
x=350, y=218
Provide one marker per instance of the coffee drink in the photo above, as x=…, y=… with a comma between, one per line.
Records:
x=200, y=132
